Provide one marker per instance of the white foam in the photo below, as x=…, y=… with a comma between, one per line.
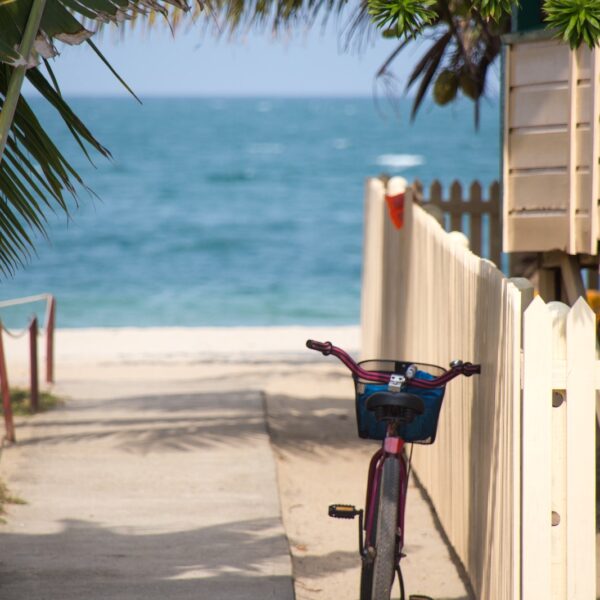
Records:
x=341, y=143
x=400, y=161
x=264, y=107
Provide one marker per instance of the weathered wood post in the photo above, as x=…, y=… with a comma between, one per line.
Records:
x=50, y=321
x=33, y=363
x=4, y=388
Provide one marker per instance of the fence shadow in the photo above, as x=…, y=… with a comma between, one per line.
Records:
x=313, y=425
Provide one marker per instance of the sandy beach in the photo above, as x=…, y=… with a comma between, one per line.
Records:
x=308, y=416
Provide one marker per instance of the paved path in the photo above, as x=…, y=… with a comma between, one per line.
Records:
x=166, y=491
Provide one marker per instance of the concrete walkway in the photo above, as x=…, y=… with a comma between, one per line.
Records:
x=165, y=490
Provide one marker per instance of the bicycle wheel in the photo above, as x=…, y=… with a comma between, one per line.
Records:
x=384, y=564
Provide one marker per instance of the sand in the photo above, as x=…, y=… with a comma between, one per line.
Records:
x=307, y=411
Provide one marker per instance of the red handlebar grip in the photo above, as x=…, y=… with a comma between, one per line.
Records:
x=323, y=347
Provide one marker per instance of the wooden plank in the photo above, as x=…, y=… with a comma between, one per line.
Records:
x=539, y=148
x=476, y=200
x=539, y=62
x=526, y=294
x=530, y=149
x=495, y=224
x=594, y=156
x=583, y=144
x=417, y=187
x=435, y=193
x=583, y=191
x=455, y=206
x=548, y=105
x=581, y=452
x=574, y=95
x=558, y=313
x=539, y=190
x=506, y=160
x=584, y=59
x=536, y=453
x=372, y=276
x=535, y=232
x=583, y=102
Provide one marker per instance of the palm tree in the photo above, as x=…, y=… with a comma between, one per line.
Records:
x=35, y=177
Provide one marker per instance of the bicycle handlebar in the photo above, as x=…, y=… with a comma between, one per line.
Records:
x=459, y=368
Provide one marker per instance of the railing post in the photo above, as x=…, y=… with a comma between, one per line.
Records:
x=50, y=320
x=33, y=362
x=4, y=388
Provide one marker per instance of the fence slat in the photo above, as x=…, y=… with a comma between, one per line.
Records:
x=581, y=422
x=536, y=444
x=475, y=201
x=435, y=193
x=558, y=532
x=450, y=213
x=455, y=206
x=372, y=282
x=495, y=224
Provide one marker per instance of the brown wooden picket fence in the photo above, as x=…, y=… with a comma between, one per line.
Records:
x=473, y=214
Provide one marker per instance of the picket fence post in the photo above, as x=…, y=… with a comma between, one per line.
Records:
x=581, y=451
x=558, y=507
x=536, y=453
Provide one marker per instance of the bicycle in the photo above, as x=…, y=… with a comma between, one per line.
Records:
x=397, y=402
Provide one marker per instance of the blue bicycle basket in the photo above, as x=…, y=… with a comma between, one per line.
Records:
x=423, y=428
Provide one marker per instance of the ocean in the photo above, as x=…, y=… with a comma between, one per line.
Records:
x=235, y=211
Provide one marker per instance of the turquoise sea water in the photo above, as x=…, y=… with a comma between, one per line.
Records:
x=235, y=211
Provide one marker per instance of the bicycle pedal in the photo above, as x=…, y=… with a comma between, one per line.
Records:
x=343, y=511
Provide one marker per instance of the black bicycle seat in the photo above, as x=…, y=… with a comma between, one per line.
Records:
x=395, y=400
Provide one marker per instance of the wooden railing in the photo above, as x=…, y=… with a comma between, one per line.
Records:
x=476, y=216
x=33, y=332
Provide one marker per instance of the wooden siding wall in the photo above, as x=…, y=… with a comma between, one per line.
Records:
x=551, y=173
x=427, y=298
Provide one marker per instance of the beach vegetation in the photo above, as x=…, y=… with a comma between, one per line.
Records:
x=6, y=497
x=20, y=400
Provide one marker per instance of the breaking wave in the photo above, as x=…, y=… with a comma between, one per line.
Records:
x=400, y=161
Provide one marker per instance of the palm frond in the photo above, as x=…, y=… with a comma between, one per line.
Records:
x=35, y=177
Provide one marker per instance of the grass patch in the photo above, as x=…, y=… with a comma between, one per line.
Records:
x=7, y=498
x=21, y=402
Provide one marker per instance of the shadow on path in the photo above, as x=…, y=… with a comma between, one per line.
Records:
x=105, y=563
x=179, y=422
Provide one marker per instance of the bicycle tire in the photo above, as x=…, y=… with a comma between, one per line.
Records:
x=386, y=528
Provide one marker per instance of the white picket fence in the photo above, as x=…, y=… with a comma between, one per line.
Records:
x=512, y=472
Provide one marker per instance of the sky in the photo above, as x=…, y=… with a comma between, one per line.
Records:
x=195, y=63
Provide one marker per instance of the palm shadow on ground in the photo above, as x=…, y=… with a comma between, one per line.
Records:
x=230, y=560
